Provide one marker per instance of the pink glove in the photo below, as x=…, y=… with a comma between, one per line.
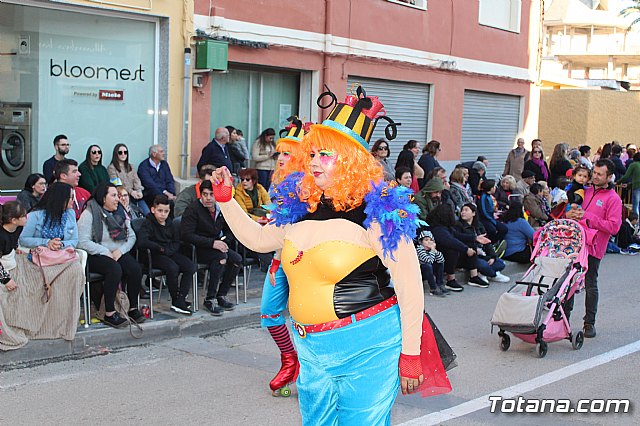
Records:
x=410, y=366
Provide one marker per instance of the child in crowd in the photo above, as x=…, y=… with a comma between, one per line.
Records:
x=575, y=190
x=14, y=217
x=159, y=234
x=431, y=263
x=495, y=230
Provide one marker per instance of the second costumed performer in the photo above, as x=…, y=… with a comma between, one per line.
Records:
x=341, y=228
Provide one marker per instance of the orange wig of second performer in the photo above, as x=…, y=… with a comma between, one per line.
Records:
x=291, y=159
x=355, y=170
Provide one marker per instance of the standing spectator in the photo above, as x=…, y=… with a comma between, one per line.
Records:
x=66, y=171
x=216, y=152
x=536, y=143
x=458, y=188
x=264, y=154
x=533, y=205
x=515, y=160
x=381, y=152
x=519, y=235
x=204, y=227
x=495, y=230
x=633, y=174
x=537, y=165
x=559, y=164
x=252, y=196
x=61, y=145
x=187, y=196
x=106, y=235
x=238, y=151
x=34, y=187
x=404, y=177
x=504, y=190
x=429, y=159
x=92, y=172
x=585, y=153
x=155, y=175
x=620, y=169
x=523, y=185
x=158, y=234
x=601, y=217
x=414, y=147
x=242, y=144
x=121, y=168
x=631, y=151
x=476, y=176
x=406, y=160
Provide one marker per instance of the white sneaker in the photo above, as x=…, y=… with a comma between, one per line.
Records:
x=501, y=278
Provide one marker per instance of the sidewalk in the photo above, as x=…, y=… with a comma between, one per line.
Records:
x=100, y=339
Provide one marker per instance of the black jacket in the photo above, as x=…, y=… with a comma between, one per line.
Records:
x=451, y=239
x=533, y=167
x=160, y=239
x=620, y=169
x=214, y=155
x=465, y=228
x=199, y=229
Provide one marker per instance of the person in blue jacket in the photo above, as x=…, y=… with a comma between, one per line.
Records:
x=519, y=235
x=156, y=177
x=495, y=230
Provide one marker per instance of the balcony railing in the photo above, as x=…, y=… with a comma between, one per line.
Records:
x=416, y=4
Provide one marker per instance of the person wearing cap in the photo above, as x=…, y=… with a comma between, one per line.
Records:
x=514, y=165
x=429, y=196
x=431, y=264
x=358, y=342
x=528, y=179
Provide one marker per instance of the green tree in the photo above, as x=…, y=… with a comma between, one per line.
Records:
x=633, y=11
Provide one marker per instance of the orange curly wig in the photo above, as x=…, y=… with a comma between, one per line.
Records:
x=295, y=164
x=355, y=169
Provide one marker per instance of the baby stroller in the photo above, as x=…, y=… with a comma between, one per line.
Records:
x=533, y=308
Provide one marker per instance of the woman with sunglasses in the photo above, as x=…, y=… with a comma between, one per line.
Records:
x=92, y=172
x=381, y=152
x=122, y=169
x=537, y=165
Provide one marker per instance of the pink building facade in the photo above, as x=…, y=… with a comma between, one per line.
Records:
x=456, y=73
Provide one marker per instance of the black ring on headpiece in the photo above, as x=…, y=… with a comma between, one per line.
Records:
x=334, y=99
x=391, y=130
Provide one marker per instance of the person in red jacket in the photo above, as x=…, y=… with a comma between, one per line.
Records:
x=601, y=217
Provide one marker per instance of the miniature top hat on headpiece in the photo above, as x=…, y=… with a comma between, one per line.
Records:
x=357, y=116
x=294, y=131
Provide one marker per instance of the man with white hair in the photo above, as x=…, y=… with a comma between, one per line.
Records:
x=216, y=152
x=515, y=160
x=156, y=177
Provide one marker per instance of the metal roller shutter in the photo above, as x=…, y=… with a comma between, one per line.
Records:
x=405, y=103
x=490, y=123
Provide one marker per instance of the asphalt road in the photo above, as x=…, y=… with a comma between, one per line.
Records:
x=223, y=379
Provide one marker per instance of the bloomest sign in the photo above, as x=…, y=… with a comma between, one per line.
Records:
x=67, y=70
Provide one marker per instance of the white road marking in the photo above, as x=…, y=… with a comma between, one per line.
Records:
x=524, y=387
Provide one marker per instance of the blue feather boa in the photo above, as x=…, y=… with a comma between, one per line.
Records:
x=392, y=208
x=287, y=208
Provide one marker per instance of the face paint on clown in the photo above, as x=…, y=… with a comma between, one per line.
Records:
x=322, y=166
x=283, y=158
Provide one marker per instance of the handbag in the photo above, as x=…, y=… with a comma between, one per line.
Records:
x=44, y=256
x=122, y=305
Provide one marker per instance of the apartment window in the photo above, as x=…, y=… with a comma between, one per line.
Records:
x=502, y=14
x=416, y=4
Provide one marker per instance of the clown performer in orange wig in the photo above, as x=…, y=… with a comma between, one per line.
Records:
x=275, y=291
x=342, y=230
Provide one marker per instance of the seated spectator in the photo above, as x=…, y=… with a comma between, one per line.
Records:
x=381, y=152
x=627, y=236
x=504, y=190
x=534, y=206
x=489, y=264
x=546, y=197
x=156, y=177
x=495, y=230
x=187, y=196
x=121, y=168
x=559, y=193
x=92, y=172
x=528, y=179
x=406, y=161
x=159, y=235
x=431, y=264
x=14, y=217
x=538, y=166
x=33, y=312
x=252, y=196
x=106, y=235
x=458, y=188
x=404, y=177
x=476, y=175
x=66, y=171
x=133, y=212
x=429, y=196
x=519, y=234
x=34, y=187
x=203, y=226
x=453, y=246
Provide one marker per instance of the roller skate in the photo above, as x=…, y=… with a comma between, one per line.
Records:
x=288, y=374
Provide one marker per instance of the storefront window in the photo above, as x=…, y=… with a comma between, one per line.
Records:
x=89, y=77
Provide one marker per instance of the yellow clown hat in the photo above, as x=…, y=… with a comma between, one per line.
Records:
x=357, y=117
x=294, y=131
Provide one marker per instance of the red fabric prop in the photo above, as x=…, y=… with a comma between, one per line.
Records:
x=436, y=381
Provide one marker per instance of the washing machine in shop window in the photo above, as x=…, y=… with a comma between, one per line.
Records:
x=15, y=146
